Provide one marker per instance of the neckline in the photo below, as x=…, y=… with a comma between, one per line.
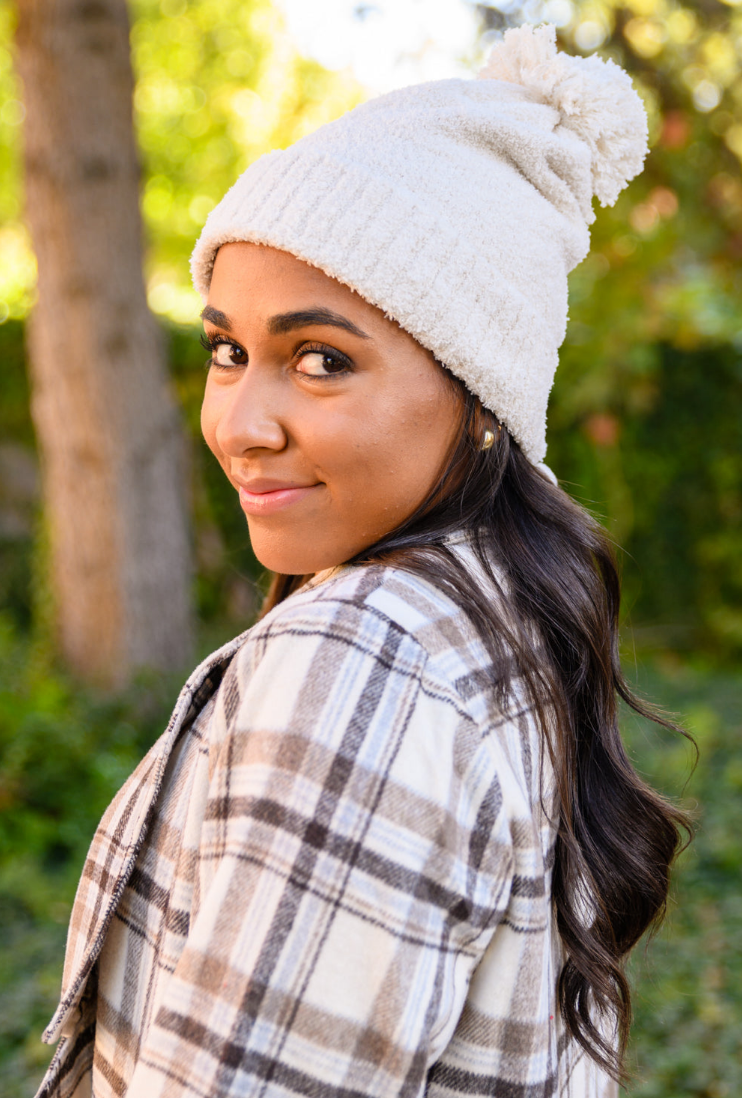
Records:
x=458, y=537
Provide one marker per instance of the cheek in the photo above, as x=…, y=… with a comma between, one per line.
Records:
x=210, y=420
x=352, y=450
x=387, y=456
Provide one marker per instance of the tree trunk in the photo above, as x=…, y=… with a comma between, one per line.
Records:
x=110, y=438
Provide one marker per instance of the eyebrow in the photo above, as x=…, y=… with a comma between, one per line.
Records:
x=287, y=322
x=282, y=323
x=217, y=317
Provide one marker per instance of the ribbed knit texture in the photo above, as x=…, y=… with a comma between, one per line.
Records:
x=458, y=207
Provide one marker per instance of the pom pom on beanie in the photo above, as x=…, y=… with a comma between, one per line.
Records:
x=595, y=99
x=458, y=207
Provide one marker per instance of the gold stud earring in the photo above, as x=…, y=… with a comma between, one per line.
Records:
x=489, y=438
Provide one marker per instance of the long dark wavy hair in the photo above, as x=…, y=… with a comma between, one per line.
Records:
x=617, y=838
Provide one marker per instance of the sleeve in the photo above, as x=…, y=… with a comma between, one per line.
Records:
x=355, y=860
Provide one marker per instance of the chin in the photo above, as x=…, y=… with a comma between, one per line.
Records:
x=294, y=557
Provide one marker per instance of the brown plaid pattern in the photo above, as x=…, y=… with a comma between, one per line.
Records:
x=329, y=878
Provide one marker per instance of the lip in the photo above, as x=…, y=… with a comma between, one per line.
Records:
x=264, y=496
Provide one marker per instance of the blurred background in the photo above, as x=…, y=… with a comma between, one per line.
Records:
x=123, y=555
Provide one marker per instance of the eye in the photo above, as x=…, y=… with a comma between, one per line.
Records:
x=322, y=362
x=223, y=353
x=228, y=354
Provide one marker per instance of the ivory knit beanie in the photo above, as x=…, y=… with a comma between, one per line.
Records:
x=458, y=207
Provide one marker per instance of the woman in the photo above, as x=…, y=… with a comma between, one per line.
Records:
x=390, y=843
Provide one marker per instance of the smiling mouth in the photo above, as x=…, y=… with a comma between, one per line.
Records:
x=267, y=503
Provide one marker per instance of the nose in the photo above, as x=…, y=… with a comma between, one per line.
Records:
x=250, y=417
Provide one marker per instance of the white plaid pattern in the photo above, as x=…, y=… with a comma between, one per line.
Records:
x=330, y=877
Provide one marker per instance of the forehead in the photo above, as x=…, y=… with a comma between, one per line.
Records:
x=253, y=284
x=264, y=281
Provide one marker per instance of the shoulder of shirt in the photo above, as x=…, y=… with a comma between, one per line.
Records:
x=367, y=601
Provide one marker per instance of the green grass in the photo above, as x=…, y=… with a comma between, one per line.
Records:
x=688, y=981
x=64, y=752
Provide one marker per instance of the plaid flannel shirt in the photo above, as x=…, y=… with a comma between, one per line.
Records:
x=359, y=864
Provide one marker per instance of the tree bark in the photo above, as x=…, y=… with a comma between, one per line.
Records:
x=110, y=438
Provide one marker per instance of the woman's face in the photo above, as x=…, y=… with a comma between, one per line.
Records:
x=331, y=422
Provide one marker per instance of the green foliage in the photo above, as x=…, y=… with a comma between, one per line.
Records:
x=646, y=414
x=64, y=752
x=688, y=1002
x=18, y=269
x=14, y=387
x=18, y=486
x=668, y=479
x=218, y=84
